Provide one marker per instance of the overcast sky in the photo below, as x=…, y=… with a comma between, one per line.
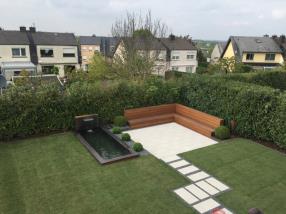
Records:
x=202, y=19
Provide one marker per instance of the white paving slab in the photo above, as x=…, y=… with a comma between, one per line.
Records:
x=179, y=163
x=207, y=187
x=186, y=196
x=169, y=139
x=198, y=176
x=217, y=184
x=188, y=169
x=226, y=211
x=171, y=158
x=206, y=206
x=196, y=191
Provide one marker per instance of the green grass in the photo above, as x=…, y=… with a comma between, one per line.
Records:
x=55, y=174
x=256, y=174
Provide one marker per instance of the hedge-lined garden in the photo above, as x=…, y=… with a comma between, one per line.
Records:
x=260, y=111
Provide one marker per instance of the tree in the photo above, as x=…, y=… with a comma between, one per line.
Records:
x=138, y=36
x=100, y=69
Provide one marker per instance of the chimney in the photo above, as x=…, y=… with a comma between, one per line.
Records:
x=172, y=37
x=274, y=37
x=22, y=28
x=266, y=35
x=33, y=29
x=283, y=38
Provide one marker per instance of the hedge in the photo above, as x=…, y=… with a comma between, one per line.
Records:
x=275, y=79
x=27, y=112
x=260, y=111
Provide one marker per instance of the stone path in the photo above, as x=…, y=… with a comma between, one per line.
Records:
x=204, y=187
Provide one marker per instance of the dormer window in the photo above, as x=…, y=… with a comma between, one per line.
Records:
x=18, y=52
x=250, y=56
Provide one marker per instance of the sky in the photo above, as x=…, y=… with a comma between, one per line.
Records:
x=201, y=19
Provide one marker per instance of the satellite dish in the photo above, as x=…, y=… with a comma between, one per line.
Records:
x=3, y=81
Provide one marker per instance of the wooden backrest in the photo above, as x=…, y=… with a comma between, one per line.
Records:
x=136, y=113
x=199, y=116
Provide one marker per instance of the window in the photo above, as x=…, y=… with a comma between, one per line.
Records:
x=83, y=48
x=189, y=69
x=47, y=52
x=175, y=57
x=175, y=68
x=48, y=69
x=190, y=56
x=90, y=48
x=69, y=52
x=18, y=52
x=250, y=56
x=270, y=56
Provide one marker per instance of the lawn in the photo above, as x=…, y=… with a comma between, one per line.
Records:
x=255, y=173
x=55, y=174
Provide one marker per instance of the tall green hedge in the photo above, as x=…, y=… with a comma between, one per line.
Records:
x=275, y=79
x=26, y=112
x=260, y=111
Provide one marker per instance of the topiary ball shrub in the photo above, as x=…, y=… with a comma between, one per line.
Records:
x=116, y=130
x=137, y=147
x=222, y=132
x=125, y=137
x=120, y=121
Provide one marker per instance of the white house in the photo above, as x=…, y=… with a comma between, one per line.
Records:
x=173, y=53
x=181, y=54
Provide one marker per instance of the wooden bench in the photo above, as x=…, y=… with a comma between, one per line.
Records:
x=193, y=119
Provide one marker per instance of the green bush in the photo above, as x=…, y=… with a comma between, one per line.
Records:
x=116, y=130
x=275, y=79
x=137, y=147
x=120, y=121
x=125, y=137
x=222, y=132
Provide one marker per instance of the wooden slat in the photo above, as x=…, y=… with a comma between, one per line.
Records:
x=196, y=120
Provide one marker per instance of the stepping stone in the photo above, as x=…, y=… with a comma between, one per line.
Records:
x=196, y=191
x=198, y=176
x=226, y=211
x=179, y=163
x=206, y=206
x=217, y=184
x=186, y=196
x=188, y=170
x=207, y=187
x=171, y=158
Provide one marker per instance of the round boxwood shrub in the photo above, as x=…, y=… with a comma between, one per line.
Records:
x=120, y=121
x=222, y=132
x=125, y=137
x=116, y=130
x=137, y=147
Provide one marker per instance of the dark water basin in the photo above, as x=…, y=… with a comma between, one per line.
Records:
x=105, y=145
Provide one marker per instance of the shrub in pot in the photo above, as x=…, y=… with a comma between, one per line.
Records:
x=222, y=132
x=137, y=147
x=116, y=130
x=120, y=121
x=125, y=137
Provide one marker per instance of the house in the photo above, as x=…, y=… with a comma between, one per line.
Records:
x=217, y=51
x=15, y=53
x=281, y=41
x=58, y=50
x=153, y=46
x=88, y=45
x=181, y=54
x=173, y=53
x=258, y=52
x=37, y=52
